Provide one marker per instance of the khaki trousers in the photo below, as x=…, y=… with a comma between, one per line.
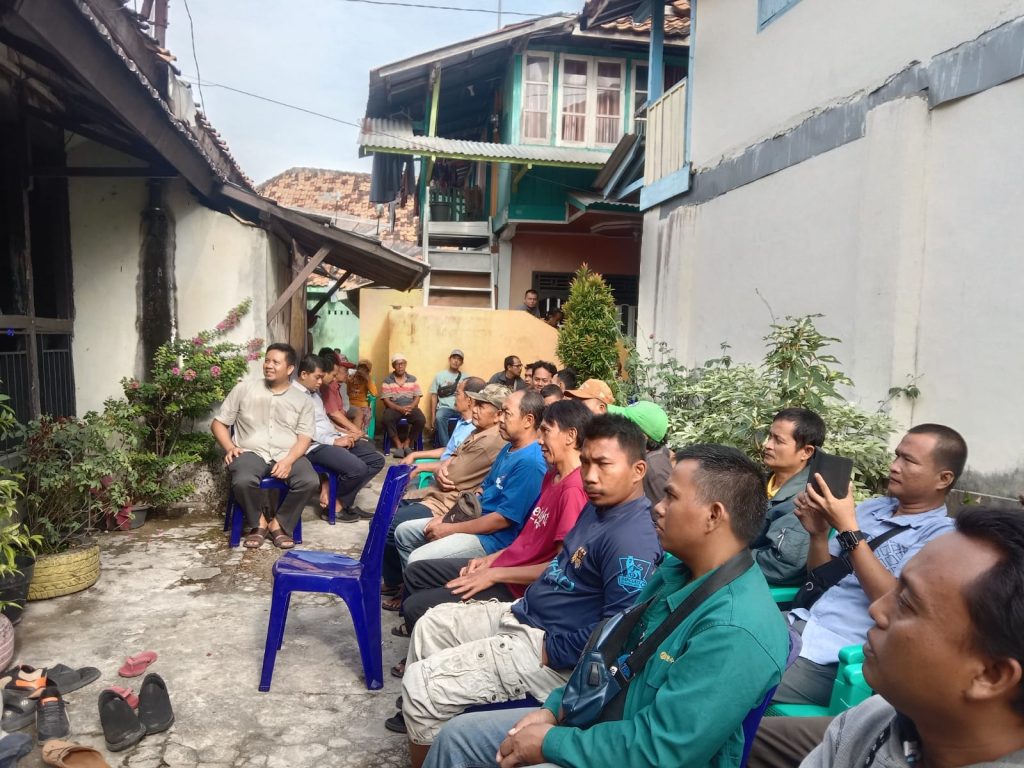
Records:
x=465, y=654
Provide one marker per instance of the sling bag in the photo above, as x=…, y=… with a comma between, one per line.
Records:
x=596, y=690
x=827, y=575
x=449, y=389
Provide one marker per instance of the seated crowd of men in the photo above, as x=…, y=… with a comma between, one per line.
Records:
x=549, y=513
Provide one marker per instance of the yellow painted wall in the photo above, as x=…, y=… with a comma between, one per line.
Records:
x=426, y=335
x=374, y=332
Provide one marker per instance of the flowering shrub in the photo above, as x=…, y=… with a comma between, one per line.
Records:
x=156, y=418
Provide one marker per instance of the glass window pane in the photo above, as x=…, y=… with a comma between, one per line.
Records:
x=574, y=100
x=573, y=127
x=537, y=68
x=609, y=75
x=575, y=72
x=608, y=103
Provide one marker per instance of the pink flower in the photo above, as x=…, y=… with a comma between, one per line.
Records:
x=189, y=375
x=208, y=350
x=135, y=384
x=175, y=371
x=215, y=371
x=197, y=341
x=222, y=325
x=253, y=356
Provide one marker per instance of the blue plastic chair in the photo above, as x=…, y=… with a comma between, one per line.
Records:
x=357, y=582
x=332, y=491
x=234, y=517
x=752, y=722
x=386, y=447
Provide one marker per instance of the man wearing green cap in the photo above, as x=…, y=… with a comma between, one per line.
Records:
x=653, y=421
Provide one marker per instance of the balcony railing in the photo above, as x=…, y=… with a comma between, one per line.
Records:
x=666, y=130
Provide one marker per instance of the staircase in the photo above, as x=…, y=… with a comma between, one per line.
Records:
x=462, y=267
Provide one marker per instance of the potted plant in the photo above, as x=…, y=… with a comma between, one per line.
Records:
x=68, y=478
x=17, y=546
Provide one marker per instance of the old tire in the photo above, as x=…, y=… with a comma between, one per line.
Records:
x=6, y=642
x=66, y=573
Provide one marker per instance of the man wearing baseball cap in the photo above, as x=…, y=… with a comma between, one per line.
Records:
x=652, y=419
x=595, y=394
x=442, y=397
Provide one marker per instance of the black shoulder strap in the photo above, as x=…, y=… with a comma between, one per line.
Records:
x=878, y=541
x=724, y=575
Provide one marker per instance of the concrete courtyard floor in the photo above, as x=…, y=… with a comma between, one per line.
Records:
x=173, y=586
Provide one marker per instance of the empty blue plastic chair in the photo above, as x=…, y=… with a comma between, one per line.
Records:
x=235, y=517
x=357, y=582
x=386, y=446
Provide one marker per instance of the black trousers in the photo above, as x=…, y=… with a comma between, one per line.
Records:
x=391, y=565
x=416, y=422
x=248, y=469
x=425, y=587
x=355, y=467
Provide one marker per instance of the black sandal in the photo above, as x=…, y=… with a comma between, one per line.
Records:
x=401, y=631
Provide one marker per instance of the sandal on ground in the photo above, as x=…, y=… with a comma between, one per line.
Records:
x=399, y=669
x=255, y=538
x=135, y=665
x=392, y=603
x=282, y=540
x=65, y=754
x=67, y=679
x=155, y=711
x=401, y=631
x=122, y=728
x=127, y=694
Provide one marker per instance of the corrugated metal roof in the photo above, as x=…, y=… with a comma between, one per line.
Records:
x=588, y=201
x=396, y=136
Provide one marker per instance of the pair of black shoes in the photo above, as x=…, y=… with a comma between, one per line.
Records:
x=122, y=727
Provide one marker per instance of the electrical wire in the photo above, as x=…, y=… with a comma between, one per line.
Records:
x=195, y=58
x=443, y=7
x=342, y=121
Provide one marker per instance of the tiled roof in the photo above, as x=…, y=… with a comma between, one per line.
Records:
x=344, y=195
x=677, y=22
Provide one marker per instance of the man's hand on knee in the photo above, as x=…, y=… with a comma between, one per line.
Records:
x=232, y=454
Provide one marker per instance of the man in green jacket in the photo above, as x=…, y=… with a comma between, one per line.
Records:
x=686, y=706
x=781, y=547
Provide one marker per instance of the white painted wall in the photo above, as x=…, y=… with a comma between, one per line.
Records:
x=747, y=85
x=908, y=240
x=219, y=262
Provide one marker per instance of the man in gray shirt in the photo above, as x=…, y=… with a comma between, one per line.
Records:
x=273, y=427
x=530, y=299
x=945, y=655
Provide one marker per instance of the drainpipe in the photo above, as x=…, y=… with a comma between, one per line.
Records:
x=156, y=292
x=688, y=129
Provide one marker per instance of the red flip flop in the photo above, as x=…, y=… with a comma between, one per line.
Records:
x=127, y=694
x=136, y=665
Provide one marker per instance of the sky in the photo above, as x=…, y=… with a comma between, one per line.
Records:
x=315, y=54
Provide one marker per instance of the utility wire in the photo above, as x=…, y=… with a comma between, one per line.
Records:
x=443, y=7
x=342, y=121
x=195, y=58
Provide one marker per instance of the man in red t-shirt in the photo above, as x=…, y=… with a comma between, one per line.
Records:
x=505, y=574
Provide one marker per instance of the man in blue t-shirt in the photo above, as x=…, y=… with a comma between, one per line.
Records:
x=464, y=654
x=506, y=496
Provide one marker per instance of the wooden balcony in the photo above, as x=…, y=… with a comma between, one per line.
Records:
x=666, y=131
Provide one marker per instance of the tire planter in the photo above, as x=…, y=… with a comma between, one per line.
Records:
x=14, y=588
x=6, y=642
x=66, y=573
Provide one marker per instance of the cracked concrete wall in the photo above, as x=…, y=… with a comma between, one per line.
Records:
x=749, y=84
x=906, y=239
x=218, y=262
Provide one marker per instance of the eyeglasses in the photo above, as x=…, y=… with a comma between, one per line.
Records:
x=516, y=365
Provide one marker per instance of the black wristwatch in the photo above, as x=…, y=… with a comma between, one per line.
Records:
x=848, y=540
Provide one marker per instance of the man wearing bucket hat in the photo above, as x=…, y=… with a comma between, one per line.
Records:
x=652, y=419
x=594, y=394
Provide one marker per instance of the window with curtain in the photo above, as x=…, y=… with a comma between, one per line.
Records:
x=537, y=98
x=608, y=127
x=574, y=99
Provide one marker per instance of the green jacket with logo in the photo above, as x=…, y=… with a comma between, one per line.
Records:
x=686, y=706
